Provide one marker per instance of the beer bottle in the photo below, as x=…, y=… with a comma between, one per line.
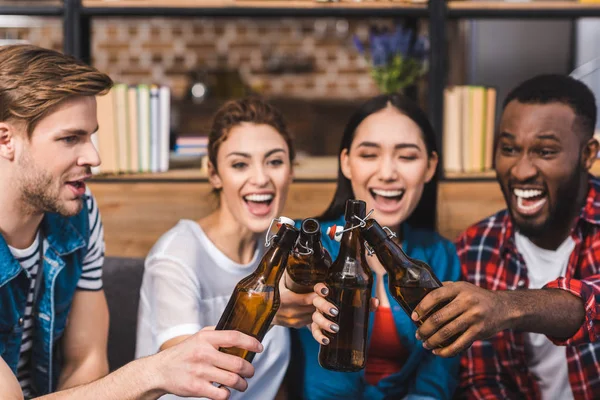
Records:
x=309, y=263
x=349, y=281
x=409, y=280
x=255, y=299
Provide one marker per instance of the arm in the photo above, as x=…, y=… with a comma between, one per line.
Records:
x=473, y=313
x=85, y=340
x=9, y=384
x=188, y=369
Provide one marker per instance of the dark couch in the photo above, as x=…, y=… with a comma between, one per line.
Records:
x=122, y=280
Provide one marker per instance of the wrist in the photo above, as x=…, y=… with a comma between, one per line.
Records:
x=511, y=313
x=153, y=380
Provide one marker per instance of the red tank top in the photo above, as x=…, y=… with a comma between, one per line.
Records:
x=386, y=354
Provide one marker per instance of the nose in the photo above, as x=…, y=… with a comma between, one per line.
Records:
x=259, y=176
x=524, y=169
x=89, y=156
x=387, y=171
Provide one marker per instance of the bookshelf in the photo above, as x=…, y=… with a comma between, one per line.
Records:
x=32, y=8
x=537, y=9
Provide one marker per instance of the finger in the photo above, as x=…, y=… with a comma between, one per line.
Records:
x=447, y=333
x=208, y=390
x=226, y=378
x=433, y=298
x=325, y=307
x=318, y=334
x=456, y=347
x=296, y=299
x=374, y=304
x=324, y=323
x=208, y=328
x=438, y=319
x=321, y=289
x=233, y=339
x=231, y=363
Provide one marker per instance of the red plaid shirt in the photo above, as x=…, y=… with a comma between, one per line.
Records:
x=496, y=368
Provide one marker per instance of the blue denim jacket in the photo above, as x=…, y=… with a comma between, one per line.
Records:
x=423, y=375
x=63, y=260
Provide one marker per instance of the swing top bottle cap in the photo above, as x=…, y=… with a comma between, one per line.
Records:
x=285, y=220
x=335, y=232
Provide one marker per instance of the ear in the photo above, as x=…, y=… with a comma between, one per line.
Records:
x=590, y=151
x=431, y=166
x=7, y=141
x=345, y=164
x=213, y=177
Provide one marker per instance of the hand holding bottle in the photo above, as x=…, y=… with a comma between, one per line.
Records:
x=295, y=310
x=319, y=322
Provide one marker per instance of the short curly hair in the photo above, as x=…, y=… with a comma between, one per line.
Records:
x=251, y=109
x=34, y=81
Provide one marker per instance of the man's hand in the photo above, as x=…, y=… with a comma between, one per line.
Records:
x=191, y=367
x=324, y=307
x=471, y=313
x=296, y=309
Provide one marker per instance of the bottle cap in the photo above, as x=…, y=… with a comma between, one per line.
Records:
x=285, y=220
x=335, y=232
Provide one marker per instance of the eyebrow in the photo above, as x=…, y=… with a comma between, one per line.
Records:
x=549, y=136
x=399, y=146
x=246, y=155
x=79, y=132
x=506, y=135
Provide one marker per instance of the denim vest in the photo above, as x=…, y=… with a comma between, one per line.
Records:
x=63, y=261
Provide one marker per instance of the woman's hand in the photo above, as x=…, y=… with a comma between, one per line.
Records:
x=323, y=307
x=296, y=309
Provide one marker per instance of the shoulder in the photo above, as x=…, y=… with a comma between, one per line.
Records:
x=488, y=232
x=179, y=244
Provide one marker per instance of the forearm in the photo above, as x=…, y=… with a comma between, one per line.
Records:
x=84, y=371
x=136, y=380
x=553, y=312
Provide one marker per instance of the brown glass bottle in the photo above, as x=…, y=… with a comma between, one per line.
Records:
x=255, y=299
x=309, y=263
x=409, y=280
x=350, y=281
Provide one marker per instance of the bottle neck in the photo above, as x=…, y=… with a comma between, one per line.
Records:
x=271, y=267
x=311, y=241
x=351, y=246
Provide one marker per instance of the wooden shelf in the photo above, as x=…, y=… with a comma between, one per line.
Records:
x=31, y=8
x=251, y=8
x=528, y=9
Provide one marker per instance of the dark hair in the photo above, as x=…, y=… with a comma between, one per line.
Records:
x=34, y=81
x=553, y=88
x=251, y=109
x=424, y=215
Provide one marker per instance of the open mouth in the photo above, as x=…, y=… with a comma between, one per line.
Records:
x=387, y=199
x=530, y=201
x=78, y=187
x=259, y=204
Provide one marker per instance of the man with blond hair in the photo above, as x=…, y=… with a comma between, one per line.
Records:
x=53, y=312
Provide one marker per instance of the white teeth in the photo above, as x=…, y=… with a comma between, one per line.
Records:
x=527, y=194
x=529, y=207
x=387, y=193
x=259, y=197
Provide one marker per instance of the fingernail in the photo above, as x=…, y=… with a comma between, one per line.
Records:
x=325, y=341
x=261, y=347
x=414, y=316
x=418, y=336
x=435, y=352
x=324, y=291
x=425, y=345
x=334, y=327
x=333, y=311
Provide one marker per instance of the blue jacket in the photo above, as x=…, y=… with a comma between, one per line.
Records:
x=423, y=376
x=63, y=260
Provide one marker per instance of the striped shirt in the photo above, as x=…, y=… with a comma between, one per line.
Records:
x=91, y=279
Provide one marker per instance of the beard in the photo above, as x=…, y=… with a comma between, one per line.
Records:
x=560, y=212
x=40, y=193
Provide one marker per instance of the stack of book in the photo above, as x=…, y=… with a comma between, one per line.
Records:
x=469, y=121
x=134, y=129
